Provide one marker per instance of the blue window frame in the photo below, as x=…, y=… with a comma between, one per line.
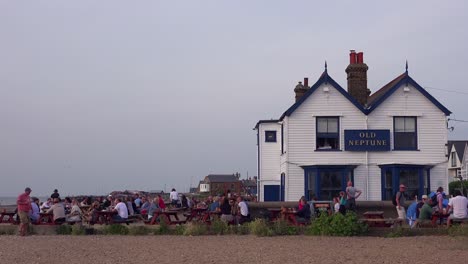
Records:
x=327, y=133
x=325, y=182
x=415, y=177
x=405, y=133
x=270, y=136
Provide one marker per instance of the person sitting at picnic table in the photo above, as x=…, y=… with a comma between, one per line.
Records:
x=425, y=214
x=153, y=207
x=129, y=203
x=303, y=215
x=243, y=215
x=162, y=204
x=459, y=203
x=75, y=213
x=107, y=202
x=35, y=212
x=92, y=212
x=86, y=201
x=138, y=201
x=336, y=204
x=145, y=205
x=215, y=205
x=121, y=209
x=47, y=204
x=225, y=209
x=58, y=211
x=300, y=205
x=184, y=201
x=411, y=214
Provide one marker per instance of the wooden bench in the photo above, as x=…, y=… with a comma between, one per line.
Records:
x=382, y=222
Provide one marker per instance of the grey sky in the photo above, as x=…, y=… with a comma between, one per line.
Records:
x=104, y=95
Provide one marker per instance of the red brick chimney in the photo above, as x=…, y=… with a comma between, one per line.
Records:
x=357, y=77
x=301, y=89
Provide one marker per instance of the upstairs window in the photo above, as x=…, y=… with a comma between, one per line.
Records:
x=328, y=133
x=454, y=159
x=270, y=136
x=404, y=133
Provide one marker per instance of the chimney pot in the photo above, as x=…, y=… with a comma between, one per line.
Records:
x=360, y=57
x=306, y=82
x=352, y=57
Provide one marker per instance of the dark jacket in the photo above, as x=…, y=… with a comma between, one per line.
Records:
x=304, y=212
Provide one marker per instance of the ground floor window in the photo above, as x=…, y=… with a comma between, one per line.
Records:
x=325, y=182
x=415, y=177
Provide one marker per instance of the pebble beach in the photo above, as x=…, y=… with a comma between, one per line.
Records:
x=231, y=249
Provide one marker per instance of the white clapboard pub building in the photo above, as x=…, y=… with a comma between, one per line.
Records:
x=397, y=135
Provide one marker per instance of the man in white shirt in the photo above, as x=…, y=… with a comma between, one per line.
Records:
x=174, y=197
x=244, y=215
x=460, y=207
x=121, y=209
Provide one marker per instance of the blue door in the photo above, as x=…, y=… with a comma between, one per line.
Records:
x=271, y=193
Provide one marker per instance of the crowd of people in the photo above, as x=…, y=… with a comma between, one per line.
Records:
x=420, y=212
x=232, y=209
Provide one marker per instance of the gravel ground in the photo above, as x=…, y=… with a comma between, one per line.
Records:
x=231, y=249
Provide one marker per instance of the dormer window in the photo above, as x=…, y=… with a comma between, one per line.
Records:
x=328, y=136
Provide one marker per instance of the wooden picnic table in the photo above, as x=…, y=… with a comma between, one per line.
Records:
x=374, y=215
x=46, y=219
x=197, y=214
x=105, y=217
x=438, y=216
x=7, y=217
x=167, y=216
x=275, y=213
x=290, y=216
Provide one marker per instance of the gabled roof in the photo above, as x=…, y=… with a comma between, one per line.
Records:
x=459, y=147
x=324, y=78
x=383, y=93
x=221, y=178
x=374, y=100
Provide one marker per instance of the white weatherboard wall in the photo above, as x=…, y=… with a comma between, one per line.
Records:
x=270, y=157
x=431, y=135
x=301, y=137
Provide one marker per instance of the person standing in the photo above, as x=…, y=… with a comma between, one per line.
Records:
x=174, y=197
x=55, y=194
x=24, y=206
x=400, y=202
x=352, y=194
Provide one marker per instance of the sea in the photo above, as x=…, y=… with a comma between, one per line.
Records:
x=8, y=201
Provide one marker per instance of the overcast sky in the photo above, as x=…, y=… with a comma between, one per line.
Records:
x=98, y=96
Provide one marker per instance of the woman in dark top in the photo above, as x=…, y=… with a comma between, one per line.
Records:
x=225, y=209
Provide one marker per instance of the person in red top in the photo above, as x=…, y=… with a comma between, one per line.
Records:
x=24, y=206
x=162, y=205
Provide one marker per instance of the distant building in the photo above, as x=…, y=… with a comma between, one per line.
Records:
x=330, y=135
x=457, y=159
x=249, y=186
x=215, y=184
